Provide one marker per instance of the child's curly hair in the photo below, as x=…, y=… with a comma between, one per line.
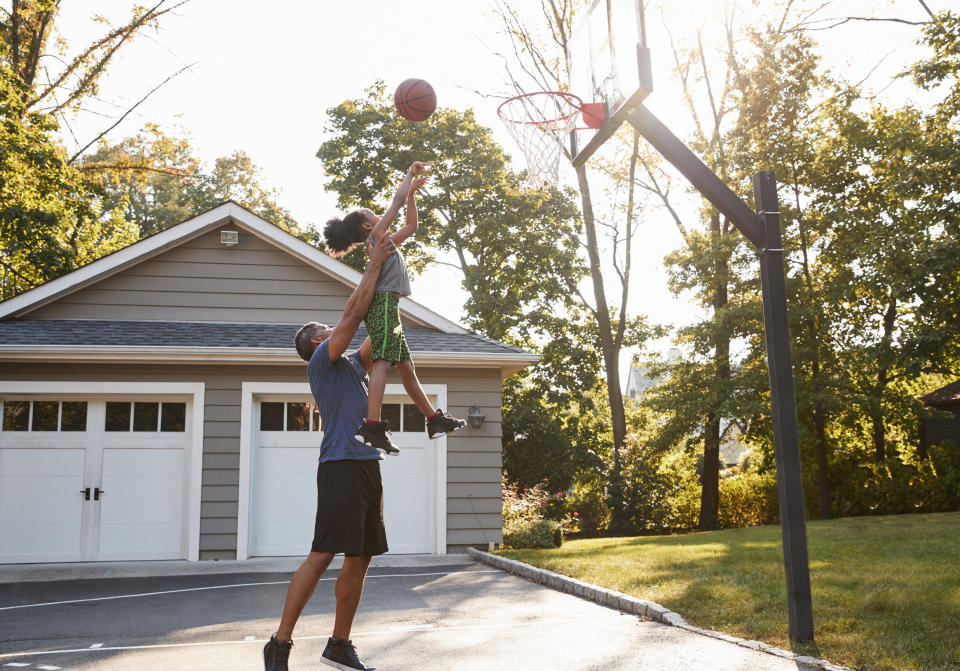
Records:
x=342, y=234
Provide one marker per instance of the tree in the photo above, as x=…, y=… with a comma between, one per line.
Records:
x=156, y=178
x=26, y=30
x=540, y=63
x=52, y=218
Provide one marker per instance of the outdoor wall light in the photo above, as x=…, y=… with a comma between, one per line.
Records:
x=474, y=417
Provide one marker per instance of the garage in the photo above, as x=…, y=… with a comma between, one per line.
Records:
x=95, y=478
x=285, y=435
x=203, y=314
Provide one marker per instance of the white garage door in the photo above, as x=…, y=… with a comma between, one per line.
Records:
x=286, y=439
x=93, y=479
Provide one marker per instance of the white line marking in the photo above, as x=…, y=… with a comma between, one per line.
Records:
x=246, y=584
x=16, y=664
x=414, y=627
x=385, y=632
x=96, y=645
x=49, y=668
x=249, y=638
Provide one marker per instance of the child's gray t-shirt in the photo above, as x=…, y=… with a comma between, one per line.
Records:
x=393, y=275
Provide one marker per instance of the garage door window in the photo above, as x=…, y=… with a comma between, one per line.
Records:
x=44, y=415
x=403, y=417
x=145, y=416
x=289, y=416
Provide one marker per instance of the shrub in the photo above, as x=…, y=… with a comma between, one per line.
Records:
x=748, y=500
x=897, y=487
x=656, y=484
x=533, y=534
x=590, y=507
x=534, y=518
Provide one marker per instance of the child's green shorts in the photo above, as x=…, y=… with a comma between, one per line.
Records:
x=385, y=330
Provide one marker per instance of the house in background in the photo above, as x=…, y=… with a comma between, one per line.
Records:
x=639, y=379
x=154, y=407
x=934, y=431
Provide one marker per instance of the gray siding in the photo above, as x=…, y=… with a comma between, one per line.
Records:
x=201, y=280
x=473, y=455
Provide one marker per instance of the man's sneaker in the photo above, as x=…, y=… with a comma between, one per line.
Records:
x=275, y=654
x=340, y=654
x=442, y=423
x=375, y=434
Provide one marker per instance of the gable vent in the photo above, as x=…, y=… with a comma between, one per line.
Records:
x=229, y=238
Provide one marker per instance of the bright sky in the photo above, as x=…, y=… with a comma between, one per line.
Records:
x=266, y=72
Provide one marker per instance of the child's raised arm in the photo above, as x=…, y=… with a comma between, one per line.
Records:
x=403, y=190
x=410, y=227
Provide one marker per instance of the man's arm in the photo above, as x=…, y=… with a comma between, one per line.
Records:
x=399, y=197
x=356, y=307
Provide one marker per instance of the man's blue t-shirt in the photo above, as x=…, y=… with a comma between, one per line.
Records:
x=340, y=389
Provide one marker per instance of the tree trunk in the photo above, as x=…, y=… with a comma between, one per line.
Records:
x=879, y=431
x=611, y=356
x=823, y=478
x=710, y=482
x=710, y=477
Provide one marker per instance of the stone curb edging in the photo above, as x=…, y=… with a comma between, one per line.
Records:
x=640, y=607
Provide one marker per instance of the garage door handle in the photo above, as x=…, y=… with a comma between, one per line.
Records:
x=97, y=492
x=86, y=494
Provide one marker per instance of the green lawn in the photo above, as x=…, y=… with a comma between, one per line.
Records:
x=886, y=590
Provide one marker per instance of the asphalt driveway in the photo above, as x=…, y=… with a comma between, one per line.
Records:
x=457, y=617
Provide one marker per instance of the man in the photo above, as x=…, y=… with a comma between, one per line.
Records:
x=349, y=490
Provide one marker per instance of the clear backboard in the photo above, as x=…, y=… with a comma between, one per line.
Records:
x=609, y=63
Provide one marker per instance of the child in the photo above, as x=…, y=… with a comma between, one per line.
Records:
x=388, y=344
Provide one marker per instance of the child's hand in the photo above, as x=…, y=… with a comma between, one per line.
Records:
x=421, y=167
x=416, y=184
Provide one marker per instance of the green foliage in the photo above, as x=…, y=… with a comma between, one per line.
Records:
x=51, y=219
x=57, y=215
x=559, y=443
x=897, y=486
x=536, y=534
x=158, y=181
x=748, y=499
x=871, y=222
x=655, y=480
x=533, y=518
x=589, y=504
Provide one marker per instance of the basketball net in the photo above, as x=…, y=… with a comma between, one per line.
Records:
x=541, y=123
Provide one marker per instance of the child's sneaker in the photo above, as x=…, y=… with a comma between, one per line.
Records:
x=375, y=434
x=340, y=654
x=441, y=423
x=275, y=654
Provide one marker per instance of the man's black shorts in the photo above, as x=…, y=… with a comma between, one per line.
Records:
x=349, y=508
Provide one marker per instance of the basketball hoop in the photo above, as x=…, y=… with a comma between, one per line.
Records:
x=541, y=123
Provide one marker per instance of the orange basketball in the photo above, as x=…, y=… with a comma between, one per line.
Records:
x=415, y=100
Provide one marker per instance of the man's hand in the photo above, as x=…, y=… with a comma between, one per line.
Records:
x=381, y=251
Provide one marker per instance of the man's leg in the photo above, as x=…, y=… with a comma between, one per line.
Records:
x=301, y=588
x=348, y=591
x=411, y=384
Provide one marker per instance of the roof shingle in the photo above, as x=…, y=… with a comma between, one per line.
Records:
x=74, y=332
